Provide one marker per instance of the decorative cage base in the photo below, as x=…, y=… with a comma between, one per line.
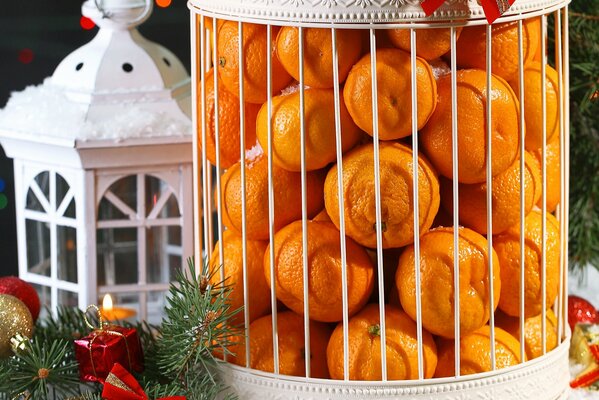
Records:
x=544, y=378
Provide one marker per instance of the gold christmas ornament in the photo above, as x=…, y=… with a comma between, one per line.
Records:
x=15, y=318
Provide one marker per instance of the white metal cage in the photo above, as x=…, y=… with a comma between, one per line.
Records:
x=545, y=377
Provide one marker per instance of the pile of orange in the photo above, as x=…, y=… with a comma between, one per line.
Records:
x=362, y=193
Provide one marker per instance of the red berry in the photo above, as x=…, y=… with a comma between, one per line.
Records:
x=580, y=310
x=22, y=291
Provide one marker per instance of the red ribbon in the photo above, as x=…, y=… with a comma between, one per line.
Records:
x=121, y=385
x=493, y=8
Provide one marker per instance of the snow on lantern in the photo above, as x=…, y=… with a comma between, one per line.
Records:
x=102, y=155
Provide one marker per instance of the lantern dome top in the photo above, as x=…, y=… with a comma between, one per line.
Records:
x=118, y=86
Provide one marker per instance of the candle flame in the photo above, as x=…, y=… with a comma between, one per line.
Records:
x=107, y=303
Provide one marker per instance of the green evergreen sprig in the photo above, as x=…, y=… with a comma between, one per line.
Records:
x=584, y=134
x=41, y=368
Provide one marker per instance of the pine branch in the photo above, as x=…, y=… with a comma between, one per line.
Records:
x=41, y=368
x=195, y=326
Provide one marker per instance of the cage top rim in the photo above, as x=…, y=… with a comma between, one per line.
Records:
x=377, y=15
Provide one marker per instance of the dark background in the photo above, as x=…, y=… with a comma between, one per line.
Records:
x=35, y=35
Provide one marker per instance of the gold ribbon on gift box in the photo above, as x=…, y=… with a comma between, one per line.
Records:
x=103, y=329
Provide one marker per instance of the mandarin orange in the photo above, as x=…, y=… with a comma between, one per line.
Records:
x=394, y=93
x=318, y=53
x=255, y=66
x=324, y=271
x=505, y=197
x=507, y=245
x=292, y=354
x=475, y=352
x=533, y=332
x=437, y=277
x=436, y=136
x=228, y=123
x=533, y=89
x=553, y=173
x=287, y=201
x=232, y=264
x=320, y=130
x=396, y=183
x=430, y=43
x=365, y=347
x=472, y=46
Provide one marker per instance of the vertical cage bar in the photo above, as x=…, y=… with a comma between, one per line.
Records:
x=456, y=199
x=306, y=266
x=271, y=202
x=522, y=189
x=565, y=97
x=246, y=297
x=415, y=194
x=219, y=202
x=490, y=195
x=377, y=200
x=342, y=239
x=544, y=186
x=197, y=220
x=206, y=188
x=563, y=236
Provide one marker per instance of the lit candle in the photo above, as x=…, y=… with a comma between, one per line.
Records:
x=111, y=313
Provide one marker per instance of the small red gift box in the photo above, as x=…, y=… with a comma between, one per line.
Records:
x=105, y=346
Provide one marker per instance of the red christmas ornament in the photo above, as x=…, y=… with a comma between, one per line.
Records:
x=22, y=291
x=580, y=310
x=103, y=347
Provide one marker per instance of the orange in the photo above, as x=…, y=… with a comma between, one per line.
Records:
x=437, y=288
x=228, y=123
x=475, y=352
x=505, y=197
x=393, y=93
x=533, y=104
x=292, y=354
x=430, y=43
x=255, y=67
x=318, y=53
x=258, y=290
x=533, y=332
x=472, y=47
x=364, y=342
x=396, y=185
x=319, y=123
x=287, y=197
x=322, y=216
x=324, y=271
x=471, y=121
x=507, y=246
x=553, y=177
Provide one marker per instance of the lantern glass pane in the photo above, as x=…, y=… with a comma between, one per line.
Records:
x=71, y=211
x=126, y=190
x=107, y=211
x=117, y=256
x=37, y=236
x=155, y=190
x=62, y=188
x=67, y=299
x=32, y=202
x=156, y=305
x=43, y=293
x=67, y=253
x=163, y=258
x=43, y=181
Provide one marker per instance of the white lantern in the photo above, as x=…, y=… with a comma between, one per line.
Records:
x=102, y=155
